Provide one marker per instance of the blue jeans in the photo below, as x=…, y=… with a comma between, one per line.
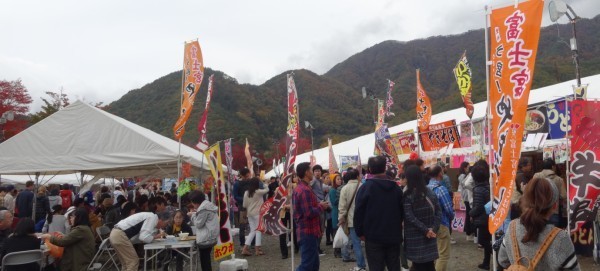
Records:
x=360, y=259
x=309, y=253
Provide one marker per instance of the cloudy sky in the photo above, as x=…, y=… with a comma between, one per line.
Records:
x=99, y=50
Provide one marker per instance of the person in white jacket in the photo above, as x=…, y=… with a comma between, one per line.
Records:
x=253, y=199
x=205, y=218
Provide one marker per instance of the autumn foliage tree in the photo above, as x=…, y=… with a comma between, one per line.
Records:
x=51, y=105
x=14, y=97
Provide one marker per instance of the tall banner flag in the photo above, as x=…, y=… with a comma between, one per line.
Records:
x=269, y=221
x=380, y=120
x=333, y=165
x=584, y=193
x=229, y=161
x=383, y=144
x=224, y=245
x=203, y=142
x=390, y=100
x=515, y=32
x=249, y=158
x=380, y=113
x=193, y=73
x=423, y=105
x=462, y=74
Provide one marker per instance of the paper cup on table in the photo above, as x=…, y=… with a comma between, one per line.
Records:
x=183, y=236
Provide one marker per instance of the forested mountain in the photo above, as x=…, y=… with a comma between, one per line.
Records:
x=332, y=102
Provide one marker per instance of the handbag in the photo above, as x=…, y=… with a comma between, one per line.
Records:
x=345, y=225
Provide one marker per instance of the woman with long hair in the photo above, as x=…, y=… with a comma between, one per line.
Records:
x=528, y=233
x=79, y=243
x=422, y=218
x=334, y=199
x=253, y=199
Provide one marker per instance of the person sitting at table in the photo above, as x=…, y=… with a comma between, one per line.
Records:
x=205, y=217
x=22, y=239
x=175, y=228
x=79, y=243
x=6, y=220
x=140, y=227
x=56, y=221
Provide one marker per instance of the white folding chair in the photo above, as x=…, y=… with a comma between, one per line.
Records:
x=103, y=232
x=105, y=250
x=23, y=257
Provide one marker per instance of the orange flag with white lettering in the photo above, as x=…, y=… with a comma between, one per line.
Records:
x=423, y=105
x=193, y=73
x=515, y=33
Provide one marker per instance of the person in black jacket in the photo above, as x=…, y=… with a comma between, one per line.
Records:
x=481, y=196
x=22, y=240
x=378, y=217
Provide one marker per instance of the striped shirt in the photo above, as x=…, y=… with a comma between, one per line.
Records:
x=445, y=201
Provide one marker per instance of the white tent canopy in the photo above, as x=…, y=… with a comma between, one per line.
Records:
x=366, y=143
x=83, y=139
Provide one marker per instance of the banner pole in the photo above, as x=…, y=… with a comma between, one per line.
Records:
x=488, y=120
x=567, y=172
x=179, y=141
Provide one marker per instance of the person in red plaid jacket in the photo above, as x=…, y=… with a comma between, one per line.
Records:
x=306, y=214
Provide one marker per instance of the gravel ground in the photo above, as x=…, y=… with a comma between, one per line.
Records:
x=463, y=256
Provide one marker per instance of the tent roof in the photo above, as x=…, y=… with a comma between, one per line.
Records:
x=82, y=138
x=366, y=143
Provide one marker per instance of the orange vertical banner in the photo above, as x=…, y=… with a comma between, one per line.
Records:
x=423, y=105
x=193, y=73
x=514, y=36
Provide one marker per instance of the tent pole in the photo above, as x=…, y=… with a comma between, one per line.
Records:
x=568, y=169
x=180, y=105
x=35, y=189
x=488, y=119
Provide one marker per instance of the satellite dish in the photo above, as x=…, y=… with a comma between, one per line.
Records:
x=557, y=8
x=307, y=124
x=364, y=92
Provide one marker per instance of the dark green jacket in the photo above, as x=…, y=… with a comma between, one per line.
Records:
x=79, y=247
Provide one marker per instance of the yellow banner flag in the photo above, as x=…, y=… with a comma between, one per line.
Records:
x=224, y=245
x=193, y=73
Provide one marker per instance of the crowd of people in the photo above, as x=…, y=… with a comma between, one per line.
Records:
x=392, y=220
x=134, y=217
x=403, y=219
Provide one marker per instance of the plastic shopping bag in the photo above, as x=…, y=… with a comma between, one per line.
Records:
x=340, y=239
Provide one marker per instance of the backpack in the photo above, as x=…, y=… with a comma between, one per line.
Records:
x=517, y=266
x=67, y=200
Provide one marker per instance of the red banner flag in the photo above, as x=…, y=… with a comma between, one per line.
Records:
x=193, y=72
x=440, y=135
x=462, y=74
x=423, y=105
x=269, y=221
x=203, y=142
x=515, y=32
x=584, y=192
